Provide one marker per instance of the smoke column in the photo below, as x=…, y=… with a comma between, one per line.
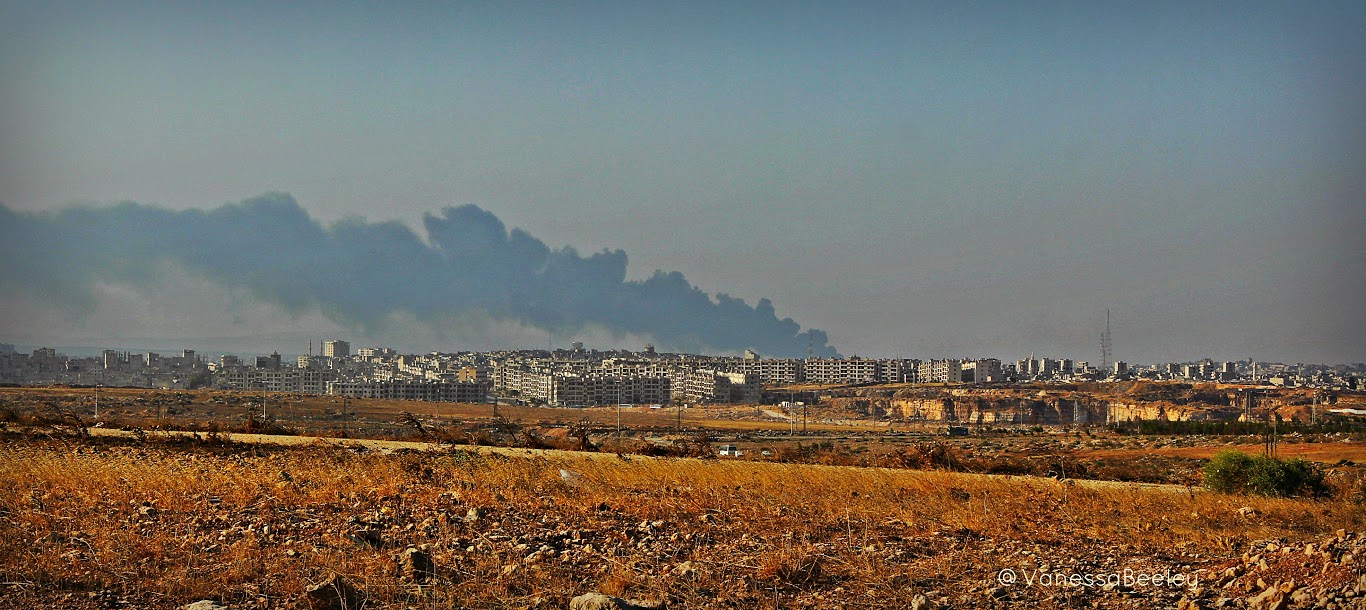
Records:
x=358, y=272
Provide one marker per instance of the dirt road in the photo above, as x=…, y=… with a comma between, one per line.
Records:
x=389, y=446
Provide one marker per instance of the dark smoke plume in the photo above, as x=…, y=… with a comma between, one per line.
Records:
x=359, y=272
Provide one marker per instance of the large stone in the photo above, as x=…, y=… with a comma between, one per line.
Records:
x=685, y=569
x=416, y=565
x=205, y=604
x=335, y=594
x=598, y=601
x=371, y=537
x=1270, y=599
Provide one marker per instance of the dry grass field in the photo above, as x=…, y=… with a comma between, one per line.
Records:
x=330, y=414
x=121, y=523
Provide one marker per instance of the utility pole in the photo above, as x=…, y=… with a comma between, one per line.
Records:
x=791, y=413
x=1271, y=433
x=619, y=382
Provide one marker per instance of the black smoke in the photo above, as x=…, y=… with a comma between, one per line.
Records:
x=358, y=273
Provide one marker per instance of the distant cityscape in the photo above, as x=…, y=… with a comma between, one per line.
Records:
x=584, y=377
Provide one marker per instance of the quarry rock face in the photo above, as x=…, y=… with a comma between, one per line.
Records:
x=1062, y=404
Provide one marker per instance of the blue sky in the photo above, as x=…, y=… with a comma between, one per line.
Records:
x=923, y=180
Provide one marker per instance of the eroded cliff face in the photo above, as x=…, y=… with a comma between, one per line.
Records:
x=1067, y=405
x=996, y=410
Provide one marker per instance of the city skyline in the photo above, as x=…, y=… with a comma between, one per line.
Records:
x=316, y=349
x=937, y=180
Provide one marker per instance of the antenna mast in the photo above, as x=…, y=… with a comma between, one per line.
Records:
x=1105, y=344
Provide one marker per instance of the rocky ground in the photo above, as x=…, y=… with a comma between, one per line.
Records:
x=120, y=524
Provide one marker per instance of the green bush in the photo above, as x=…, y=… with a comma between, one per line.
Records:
x=1237, y=472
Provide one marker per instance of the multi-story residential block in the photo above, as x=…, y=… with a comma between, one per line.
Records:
x=945, y=371
x=269, y=362
x=773, y=371
x=715, y=386
x=585, y=390
x=337, y=348
x=284, y=379
x=982, y=370
x=431, y=391
x=840, y=370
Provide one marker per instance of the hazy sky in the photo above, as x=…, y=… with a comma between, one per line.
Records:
x=940, y=179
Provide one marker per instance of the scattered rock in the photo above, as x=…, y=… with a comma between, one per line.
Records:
x=1270, y=599
x=598, y=601
x=416, y=565
x=205, y=604
x=335, y=594
x=368, y=537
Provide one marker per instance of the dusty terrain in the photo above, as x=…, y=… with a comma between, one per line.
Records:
x=91, y=522
x=166, y=501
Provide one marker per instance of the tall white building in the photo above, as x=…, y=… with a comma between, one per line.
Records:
x=943, y=371
x=337, y=348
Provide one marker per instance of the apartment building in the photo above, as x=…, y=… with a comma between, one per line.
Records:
x=945, y=371
x=841, y=370
x=575, y=390
x=984, y=370
x=773, y=371
x=337, y=349
x=430, y=391
x=715, y=386
x=286, y=379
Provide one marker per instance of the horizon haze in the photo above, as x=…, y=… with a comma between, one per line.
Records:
x=925, y=180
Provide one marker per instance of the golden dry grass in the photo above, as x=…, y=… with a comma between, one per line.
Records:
x=253, y=526
x=317, y=413
x=1327, y=452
